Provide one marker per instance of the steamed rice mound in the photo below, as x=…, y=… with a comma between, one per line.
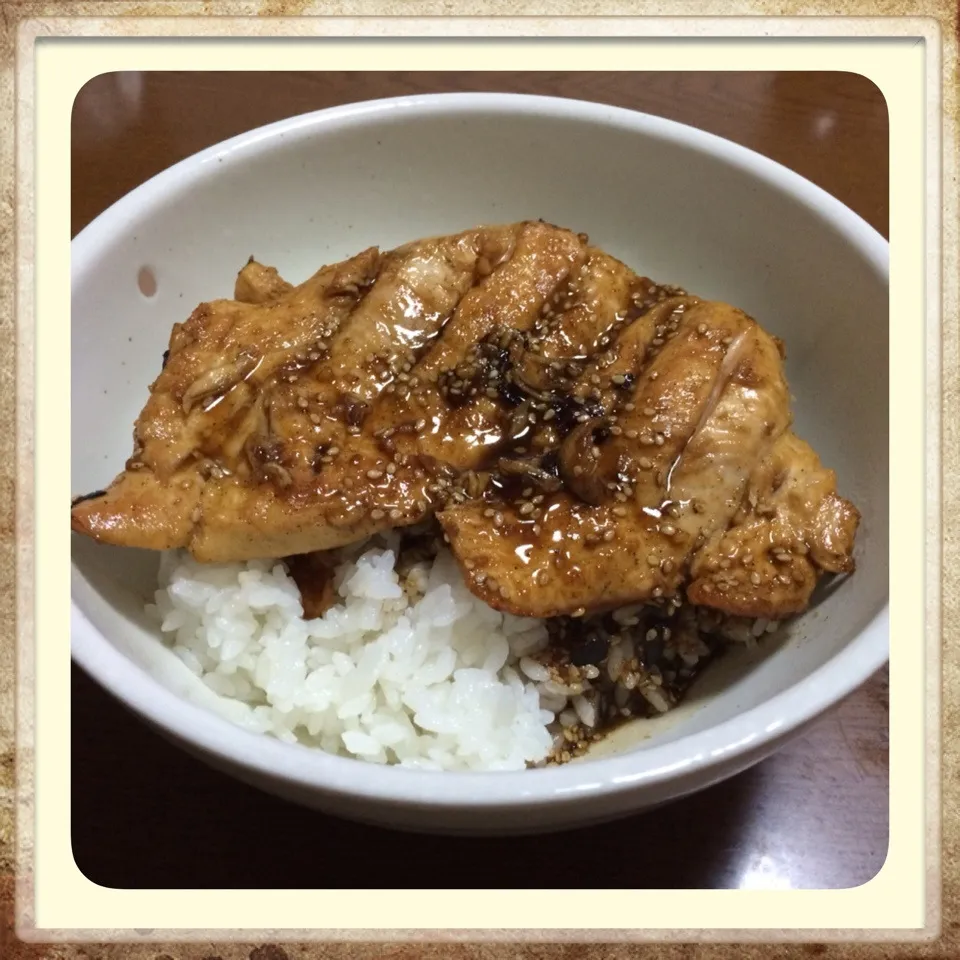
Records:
x=414, y=670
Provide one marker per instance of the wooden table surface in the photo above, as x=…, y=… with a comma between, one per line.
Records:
x=814, y=815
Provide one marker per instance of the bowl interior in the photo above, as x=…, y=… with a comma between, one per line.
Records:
x=676, y=206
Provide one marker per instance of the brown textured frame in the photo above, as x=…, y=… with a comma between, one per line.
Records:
x=16, y=531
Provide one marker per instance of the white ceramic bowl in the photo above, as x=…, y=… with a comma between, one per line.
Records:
x=676, y=204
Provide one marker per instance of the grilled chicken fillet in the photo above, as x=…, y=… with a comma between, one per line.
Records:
x=587, y=438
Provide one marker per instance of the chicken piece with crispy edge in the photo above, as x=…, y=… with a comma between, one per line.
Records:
x=580, y=358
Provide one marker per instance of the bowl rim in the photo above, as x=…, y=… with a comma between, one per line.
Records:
x=705, y=751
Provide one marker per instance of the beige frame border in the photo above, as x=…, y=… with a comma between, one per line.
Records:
x=596, y=27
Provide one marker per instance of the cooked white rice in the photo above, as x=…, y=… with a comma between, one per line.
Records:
x=419, y=673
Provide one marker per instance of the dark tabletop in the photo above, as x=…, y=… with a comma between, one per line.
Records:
x=813, y=815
